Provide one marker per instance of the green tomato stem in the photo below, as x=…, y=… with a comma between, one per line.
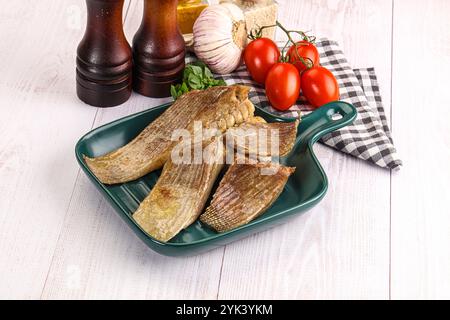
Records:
x=308, y=64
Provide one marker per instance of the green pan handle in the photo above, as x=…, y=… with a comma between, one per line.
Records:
x=329, y=118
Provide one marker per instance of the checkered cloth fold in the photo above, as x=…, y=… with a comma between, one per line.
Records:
x=369, y=137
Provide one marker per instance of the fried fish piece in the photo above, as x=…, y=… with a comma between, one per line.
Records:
x=180, y=194
x=259, y=139
x=245, y=193
x=219, y=107
x=233, y=109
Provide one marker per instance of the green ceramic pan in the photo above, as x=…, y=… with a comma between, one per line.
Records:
x=305, y=188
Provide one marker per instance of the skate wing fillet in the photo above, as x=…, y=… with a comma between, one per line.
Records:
x=245, y=192
x=217, y=107
x=255, y=138
x=181, y=192
x=180, y=195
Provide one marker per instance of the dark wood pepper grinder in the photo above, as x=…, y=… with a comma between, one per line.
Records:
x=104, y=57
x=158, y=50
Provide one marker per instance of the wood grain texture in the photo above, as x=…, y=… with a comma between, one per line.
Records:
x=98, y=257
x=40, y=120
x=59, y=239
x=420, y=192
x=341, y=248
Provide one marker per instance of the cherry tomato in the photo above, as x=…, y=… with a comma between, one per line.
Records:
x=319, y=86
x=306, y=50
x=283, y=86
x=259, y=56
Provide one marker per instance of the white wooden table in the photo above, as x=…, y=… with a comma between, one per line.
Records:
x=377, y=235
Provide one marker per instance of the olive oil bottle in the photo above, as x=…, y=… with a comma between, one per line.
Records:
x=188, y=12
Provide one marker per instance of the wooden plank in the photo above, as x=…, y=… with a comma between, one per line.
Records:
x=39, y=131
x=420, y=192
x=340, y=249
x=98, y=257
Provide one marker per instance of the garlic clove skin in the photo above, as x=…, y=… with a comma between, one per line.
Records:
x=220, y=37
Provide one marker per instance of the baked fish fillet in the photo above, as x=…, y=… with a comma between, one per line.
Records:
x=180, y=194
x=232, y=110
x=256, y=138
x=244, y=194
x=149, y=151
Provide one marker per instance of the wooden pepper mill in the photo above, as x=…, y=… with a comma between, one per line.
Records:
x=104, y=57
x=158, y=50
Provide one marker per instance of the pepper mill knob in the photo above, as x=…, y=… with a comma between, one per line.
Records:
x=158, y=50
x=104, y=57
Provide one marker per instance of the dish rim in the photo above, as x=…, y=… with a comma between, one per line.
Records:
x=260, y=221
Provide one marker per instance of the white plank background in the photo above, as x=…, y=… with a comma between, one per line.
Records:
x=377, y=235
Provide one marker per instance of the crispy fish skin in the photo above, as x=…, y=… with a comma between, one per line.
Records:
x=244, y=194
x=150, y=150
x=284, y=132
x=180, y=195
x=233, y=109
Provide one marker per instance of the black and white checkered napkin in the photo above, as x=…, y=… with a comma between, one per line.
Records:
x=369, y=137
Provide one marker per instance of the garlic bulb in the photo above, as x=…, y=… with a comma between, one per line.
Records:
x=220, y=36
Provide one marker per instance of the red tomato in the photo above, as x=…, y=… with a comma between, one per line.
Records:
x=259, y=56
x=283, y=86
x=306, y=50
x=319, y=86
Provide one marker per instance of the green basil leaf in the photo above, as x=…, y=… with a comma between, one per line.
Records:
x=207, y=73
x=200, y=64
x=195, y=82
x=220, y=82
x=173, y=92
x=184, y=88
x=197, y=71
x=196, y=76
